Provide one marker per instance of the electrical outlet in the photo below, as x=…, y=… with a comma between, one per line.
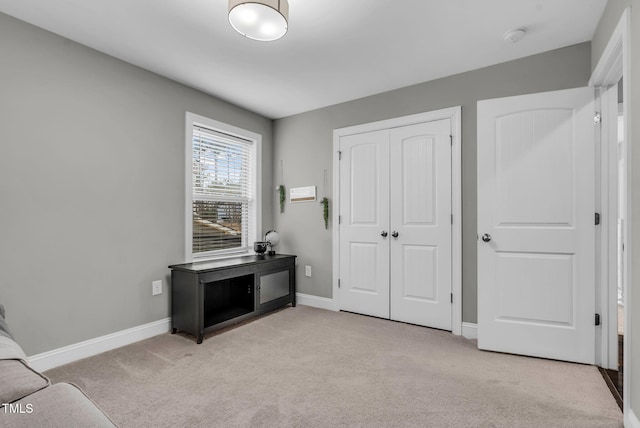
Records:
x=307, y=271
x=156, y=287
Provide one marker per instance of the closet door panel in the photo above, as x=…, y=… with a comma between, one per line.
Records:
x=364, y=205
x=420, y=216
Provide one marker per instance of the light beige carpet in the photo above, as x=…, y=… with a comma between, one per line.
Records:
x=305, y=367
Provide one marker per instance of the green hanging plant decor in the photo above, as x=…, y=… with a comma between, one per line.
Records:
x=283, y=197
x=325, y=211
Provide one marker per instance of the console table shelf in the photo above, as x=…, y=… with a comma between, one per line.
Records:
x=207, y=296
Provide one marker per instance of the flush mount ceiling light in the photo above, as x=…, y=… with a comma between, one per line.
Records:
x=263, y=20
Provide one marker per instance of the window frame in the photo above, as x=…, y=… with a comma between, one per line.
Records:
x=255, y=204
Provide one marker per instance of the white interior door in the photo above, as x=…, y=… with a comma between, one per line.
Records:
x=395, y=229
x=420, y=158
x=364, y=202
x=536, y=258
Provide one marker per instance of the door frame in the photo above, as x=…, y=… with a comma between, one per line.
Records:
x=613, y=65
x=455, y=115
x=606, y=235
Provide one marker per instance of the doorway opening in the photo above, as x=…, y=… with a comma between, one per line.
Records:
x=611, y=77
x=614, y=374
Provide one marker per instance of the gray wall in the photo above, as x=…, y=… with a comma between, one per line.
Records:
x=602, y=35
x=634, y=311
x=92, y=186
x=304, y=145
x=634, y=332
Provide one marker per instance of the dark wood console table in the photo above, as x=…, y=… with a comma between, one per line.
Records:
x=207, y=296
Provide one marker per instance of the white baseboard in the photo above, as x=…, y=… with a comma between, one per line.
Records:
x=315, y=301
x=632, y=420
x=469, y=330
x=68, y=354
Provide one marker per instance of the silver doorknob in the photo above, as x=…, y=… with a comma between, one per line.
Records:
x=384, y=233
x=486, y=237
x=394, y=234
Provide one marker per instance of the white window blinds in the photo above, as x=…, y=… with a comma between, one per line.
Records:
x=222, y=191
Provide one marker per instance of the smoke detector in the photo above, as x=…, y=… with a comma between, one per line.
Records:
x=514, y=36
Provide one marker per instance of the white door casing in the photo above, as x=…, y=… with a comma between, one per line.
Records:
x=420, y=158
x=607, y=241
x=364, y=198
x=615, y=64
x=536, y=293
x=454, y=115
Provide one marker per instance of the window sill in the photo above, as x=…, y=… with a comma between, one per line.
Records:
x=221, y=256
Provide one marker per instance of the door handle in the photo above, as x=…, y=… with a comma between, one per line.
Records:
x=384, y=233
x=486, y=237
x=394, y=234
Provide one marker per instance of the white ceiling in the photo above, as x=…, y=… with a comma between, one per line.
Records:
x=335, y=50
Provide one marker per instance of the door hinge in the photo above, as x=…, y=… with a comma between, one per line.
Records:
x=597, y=219
x=451, y=297
x=597, y=319
x=339, y=155
x=451, y=139
x=339, y=219
x=451, y=218
x=597, y=118
x=338, y=282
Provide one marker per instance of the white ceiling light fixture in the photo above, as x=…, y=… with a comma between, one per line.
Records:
x=263, y=20
x=514, y=36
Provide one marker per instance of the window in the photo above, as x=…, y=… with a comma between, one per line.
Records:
x=222, y=208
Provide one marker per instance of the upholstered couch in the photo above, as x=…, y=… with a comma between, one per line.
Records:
x=28, y=399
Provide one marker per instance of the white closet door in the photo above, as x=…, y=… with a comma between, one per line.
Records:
x=536, y=292
x=420, y=208
x=364, y=202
